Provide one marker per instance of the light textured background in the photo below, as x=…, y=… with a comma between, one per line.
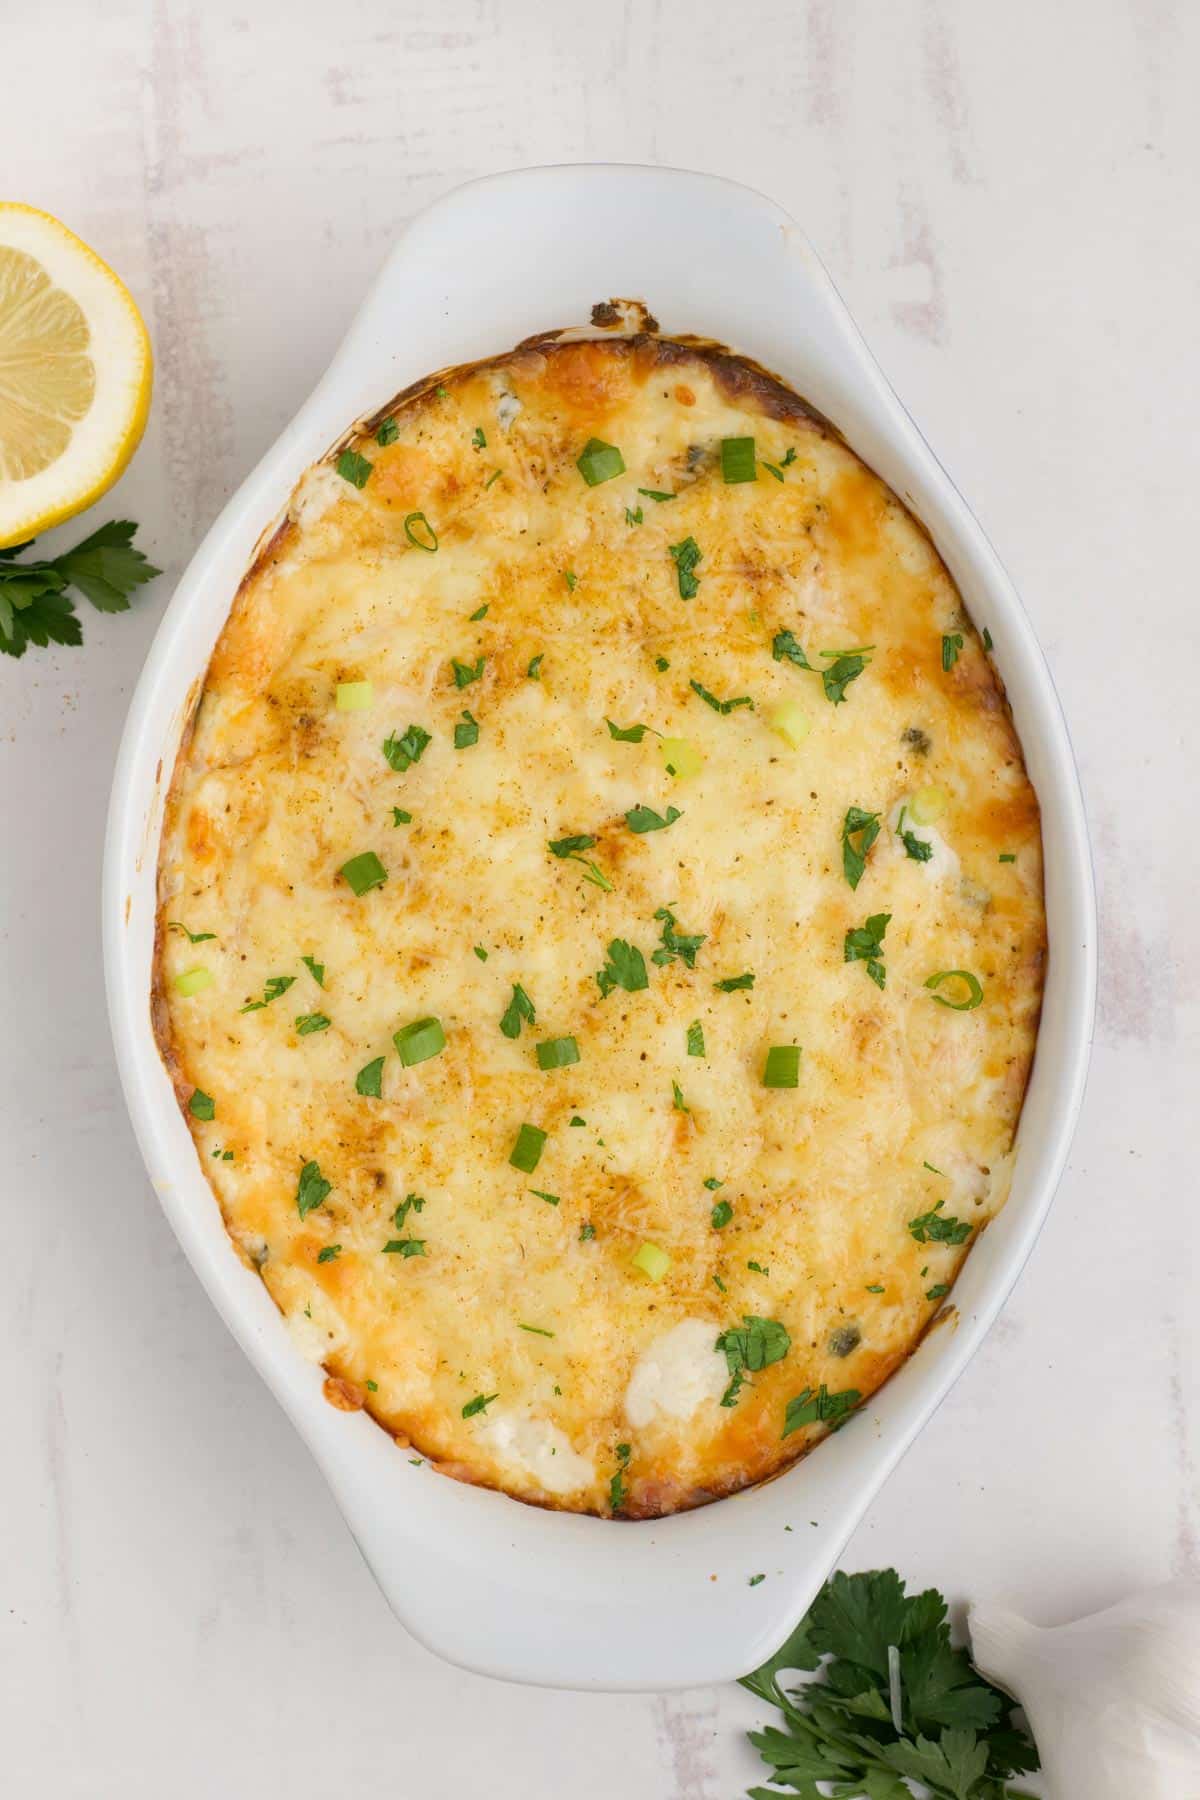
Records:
x=1006, y=194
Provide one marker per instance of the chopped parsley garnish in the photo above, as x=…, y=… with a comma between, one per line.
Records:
x=712, y=1183
x=571, y=579
x=478, y=440
x=481, y=612
x=618, y=1491
x=864, y=943
x=401, y=752
x=788, y=457
x=782, y=1067
x=364, y=872
x=550, y=1199
x=952, y=643
x=676, y=944
x=657, y=494
x=481, y=953
x=938, y=1291
x=526, y=1153
x=625, y=968
x=312, y=1189
x=466, y=673
x=876, y=1288
x=202, y=1105
x=865, y=827
x=695, y=1038
x=932, y=1170
x=307, y=1023
x=466, y=733
x=420, y=532
x=661, y=664
x=685, y=556
x=557, y=1053
x=773, y=469
x=204, y=937
x=633, y=515
x=576, y=1120
x=1005, y=856
x=599, y=462
x=721, y=706
x=847, y=666
x=758, y=1268
x=972, y=984
x=626, y=734
x=400, y=817
x=569, y=846
x=387, y=432
x=737, y=460
x=369, y=1080
x=920, y=849
x=987, y=640
x=354, y=468
x=410, y=1203
x=587, y=1231
x=784, y=644
x=494, y=476
x=276, y=985
x=642, y=819
x=519, y=1008
x=479, y=1404
x=534, y=671
x=819, y=1407
x=329, y=1253
x=749, y=1347
x=534, y=1330
x=315, y=969
x=409, y=1246
x=419, y=1041
x=680, y=1104
x=934, y=1227
x=732, y=983
x=722, y=1212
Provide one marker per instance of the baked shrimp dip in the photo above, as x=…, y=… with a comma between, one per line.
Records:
x=601, y=935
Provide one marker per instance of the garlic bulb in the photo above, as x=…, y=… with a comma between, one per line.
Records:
x=1114, y=1699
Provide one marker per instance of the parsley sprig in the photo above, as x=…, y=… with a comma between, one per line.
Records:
x=34, y=605
x=895, y=1702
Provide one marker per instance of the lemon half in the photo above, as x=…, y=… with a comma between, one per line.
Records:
x=75, y=374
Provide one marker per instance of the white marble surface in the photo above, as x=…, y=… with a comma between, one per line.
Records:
x=1006, y=195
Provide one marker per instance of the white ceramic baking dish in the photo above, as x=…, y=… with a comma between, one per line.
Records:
x=489, y=1583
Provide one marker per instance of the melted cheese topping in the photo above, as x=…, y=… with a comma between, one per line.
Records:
x=508, y=1332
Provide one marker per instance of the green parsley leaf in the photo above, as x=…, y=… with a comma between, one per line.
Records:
x=749, y=1347
x=919, y=849
x=202, y=1105
x=633, y=515
x=481, y=953
x=783, y=644
x=675, y=944
x=680, y=1103
x=618, y=1491
x=519, y=1007
x=626, y=734
x=34, y=605
x=732, y=983
x=712, y=1183
x=410, y=1203
x=329, y=1253
x=865, y=827
x=864, y=943
x=466, y=673
x=405, y=1247
x=276, y=985
x=657, y=494
x=550, y=1199
x=387, y=432
x=568, y=846
x=934, y=1228
x=819, y=1407
x=722, y=1212
x=369, y=1080
x=494, y=476
x=938, y=1291
x=721, y=706
x=315, y=969
x=625, y=968
x=685, y=556
x=400, y=817
x=311, y=1189
x=534, y=671
x=354, y=468
x=952, y=644
x=466, y=733
x=535, y=1330
x=307, y=1023
x=481, y=612
x=661, y=664
x=571, y=579
x=401, y=752
x=203, y=937
x=846, y=667
x=641, y=819
x=479, y=1404
x=478, y=440
x=695, y=1038
x=587, y=1231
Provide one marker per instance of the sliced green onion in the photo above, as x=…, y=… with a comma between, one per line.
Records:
x=737, y=460
x=354, y=468
x=202, y=1105
x=364, y=872
x=354, y=696
x=557, y=1053
x=599, y=462
x=193, y=981
x=927, y=804
x=417, y=529
x=369, y=1080
x=790, y=722
x=651, y=1260
x=782, y=1067
x=681, y=758
x=526, y=1153
x=419, y=1041
x=973, y=986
